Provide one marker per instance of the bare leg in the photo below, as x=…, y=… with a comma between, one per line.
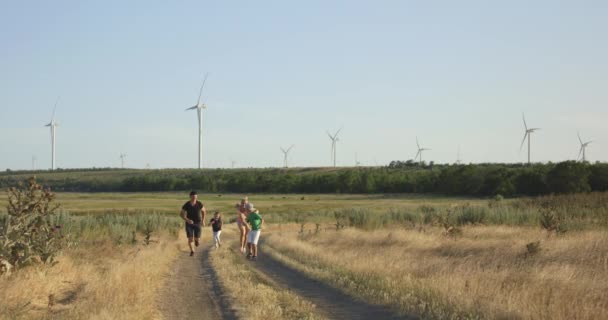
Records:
x=255, y=250
x=190, y=244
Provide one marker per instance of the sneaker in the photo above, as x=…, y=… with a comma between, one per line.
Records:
x=191, y=253
x=249, y=256
x=254, y=258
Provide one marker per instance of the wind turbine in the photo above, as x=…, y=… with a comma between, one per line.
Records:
x=53, y=124
x=122, y=160
x=286, y=154
x=420, y=150
x=334, y=138
x=583, y=147
x=357, y=163
x=527, y=134
x=199, y=108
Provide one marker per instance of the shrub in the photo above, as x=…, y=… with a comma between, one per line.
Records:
x=28, y=235
x=532, y=248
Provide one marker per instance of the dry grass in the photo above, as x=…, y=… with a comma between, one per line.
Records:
x=254, y=295
x=485, y=273
x=99, y=282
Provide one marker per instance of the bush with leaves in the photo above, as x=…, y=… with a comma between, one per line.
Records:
x=28, y=235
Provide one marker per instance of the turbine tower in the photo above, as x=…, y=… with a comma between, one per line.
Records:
x=122, y=160
x=53, y=125
x=285, y=155
x=583, y=148
x=420, y=150
x=527, y=134
x=334, y=139
x=458, y=160
x=199, y=109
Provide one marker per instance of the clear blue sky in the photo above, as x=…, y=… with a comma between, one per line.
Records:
x=454, y=73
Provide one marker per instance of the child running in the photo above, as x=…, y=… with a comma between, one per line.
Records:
x=255, y=222
x=216, y=225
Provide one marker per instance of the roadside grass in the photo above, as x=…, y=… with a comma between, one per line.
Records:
x=109, y=271
x=254, y=295
x=487, y=272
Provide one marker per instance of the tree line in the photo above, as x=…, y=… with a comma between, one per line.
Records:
x=398, y=177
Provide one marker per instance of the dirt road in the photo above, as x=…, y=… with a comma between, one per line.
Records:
x=193, y=290
x=333, y=303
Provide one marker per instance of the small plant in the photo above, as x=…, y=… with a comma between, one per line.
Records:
x=496, y=201
x=133, y=237
x=532, y=248
x=449, y=228
x=551, y=221
x=147, y=231
x=340, y=220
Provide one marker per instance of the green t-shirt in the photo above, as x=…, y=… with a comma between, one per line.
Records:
x=255, y=219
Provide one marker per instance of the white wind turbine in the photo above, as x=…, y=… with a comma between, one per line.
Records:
x=285, y=155
x=527, y=134
x=420, y=150
x=334, y=139
x=583, y=147
x=53, y=124
x=199, y=108
x=123, y=156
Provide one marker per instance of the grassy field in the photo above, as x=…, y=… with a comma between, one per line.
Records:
x=168, y=202
x=435, y=257
x=486, y=273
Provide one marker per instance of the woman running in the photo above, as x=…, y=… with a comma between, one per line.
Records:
x=240, y=222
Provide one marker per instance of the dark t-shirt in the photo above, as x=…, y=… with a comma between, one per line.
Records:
x=216, y=224
x=194, y=211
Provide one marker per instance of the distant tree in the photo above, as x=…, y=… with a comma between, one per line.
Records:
x=569, y=177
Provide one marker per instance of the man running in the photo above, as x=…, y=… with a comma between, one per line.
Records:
x=193, y=212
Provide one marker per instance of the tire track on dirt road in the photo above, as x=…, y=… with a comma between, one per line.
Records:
x=330, y=301
x=193, y=290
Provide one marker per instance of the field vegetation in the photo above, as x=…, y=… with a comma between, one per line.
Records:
x=437, y=257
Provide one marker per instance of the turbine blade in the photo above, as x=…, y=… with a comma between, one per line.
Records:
x=330, y=136
x=55, y=108
x=289, y=149
x=579, y=138
x=417, y=144
x=523, y=140
x=337, y=132
x=200, y=94
x=417, y=154
x=191, y=108
x=524, y=118
x=579, y=153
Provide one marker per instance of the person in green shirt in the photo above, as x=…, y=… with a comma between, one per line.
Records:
x=255, y=222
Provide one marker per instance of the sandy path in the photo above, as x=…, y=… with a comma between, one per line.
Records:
x=193, y=290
